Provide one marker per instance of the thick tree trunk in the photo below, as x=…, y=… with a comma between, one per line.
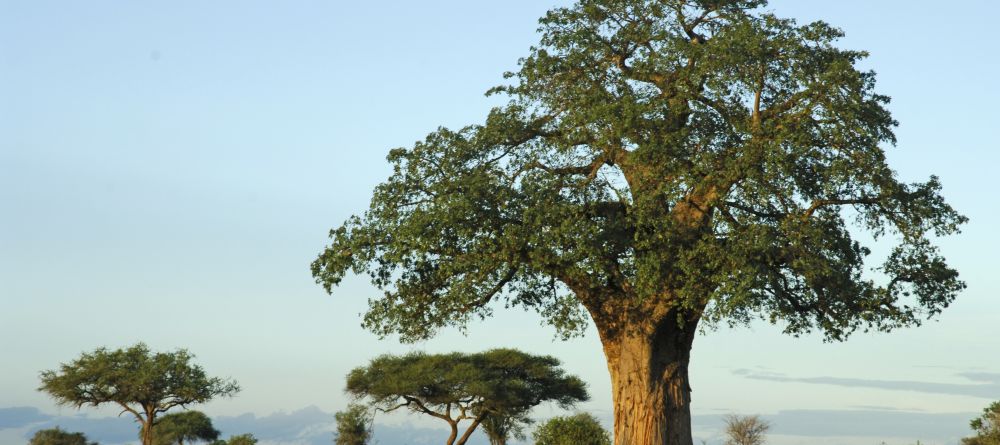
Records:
x=649, y=382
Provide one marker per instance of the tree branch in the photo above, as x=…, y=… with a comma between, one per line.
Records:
x=752, y=211
x=130, y=410
x=689, y=28
x=471, y=428
x=485, y=299
x=820, y=203
x=590, y=170
x=420, y=406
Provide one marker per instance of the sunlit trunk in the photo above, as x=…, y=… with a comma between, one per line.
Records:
x=650, y=386
x=147, y=430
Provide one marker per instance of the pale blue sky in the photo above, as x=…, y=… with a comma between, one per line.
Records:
x=169, y=169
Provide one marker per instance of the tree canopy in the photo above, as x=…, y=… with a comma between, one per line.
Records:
x=500, y=429
x=241, y=439
x=183, y=427
x=986, y=427
x=578, y=429
x=746, y=430
x=354, y=425
x=660, y=165
x=141, y=382
x=456, y=387
x=58, y=436
x=688, y=153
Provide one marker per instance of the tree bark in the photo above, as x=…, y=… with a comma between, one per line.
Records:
x=649, y=381
x=147, y=430
x=454, y=433
x=468, y=432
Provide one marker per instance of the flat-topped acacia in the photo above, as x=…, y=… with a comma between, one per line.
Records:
x=503, y=384
x=143, y=383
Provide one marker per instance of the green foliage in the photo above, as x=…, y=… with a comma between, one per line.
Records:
x=746, y=430
x=500, y=383
x=242, y=439
x=494, y=381
x=578, y=429
x=141, y=382
x=500, y=429
x=58, y=436
x=690, y=156
x=183, y=427
x=354, y=426
x=986, y=427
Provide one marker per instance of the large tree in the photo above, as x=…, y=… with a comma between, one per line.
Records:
x=457, y=387
x=661, y=165
x=141, y=382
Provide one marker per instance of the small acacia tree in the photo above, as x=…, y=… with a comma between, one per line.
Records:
x=142, y=383
x=986, y=427
x=746, y=430
x=661, y=165
x=354, y=425
x=58, y=436
x=578, y=429
x=183, y=427
x=457, y=387
x=501, y=428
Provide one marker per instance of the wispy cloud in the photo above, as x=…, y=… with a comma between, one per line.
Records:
x=985, y=385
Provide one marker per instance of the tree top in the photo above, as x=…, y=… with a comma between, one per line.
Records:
x=700, y=160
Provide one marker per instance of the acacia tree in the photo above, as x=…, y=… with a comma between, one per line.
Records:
x=661, y=166
x=354, y=426
x=501, y=428
x=986, y=426
x=142, y=383
x=455, y=387
x=58, y=436
x=746, y=430
x=578, y=429
x=183, y=427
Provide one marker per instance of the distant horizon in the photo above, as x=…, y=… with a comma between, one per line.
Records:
x=312, y=426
